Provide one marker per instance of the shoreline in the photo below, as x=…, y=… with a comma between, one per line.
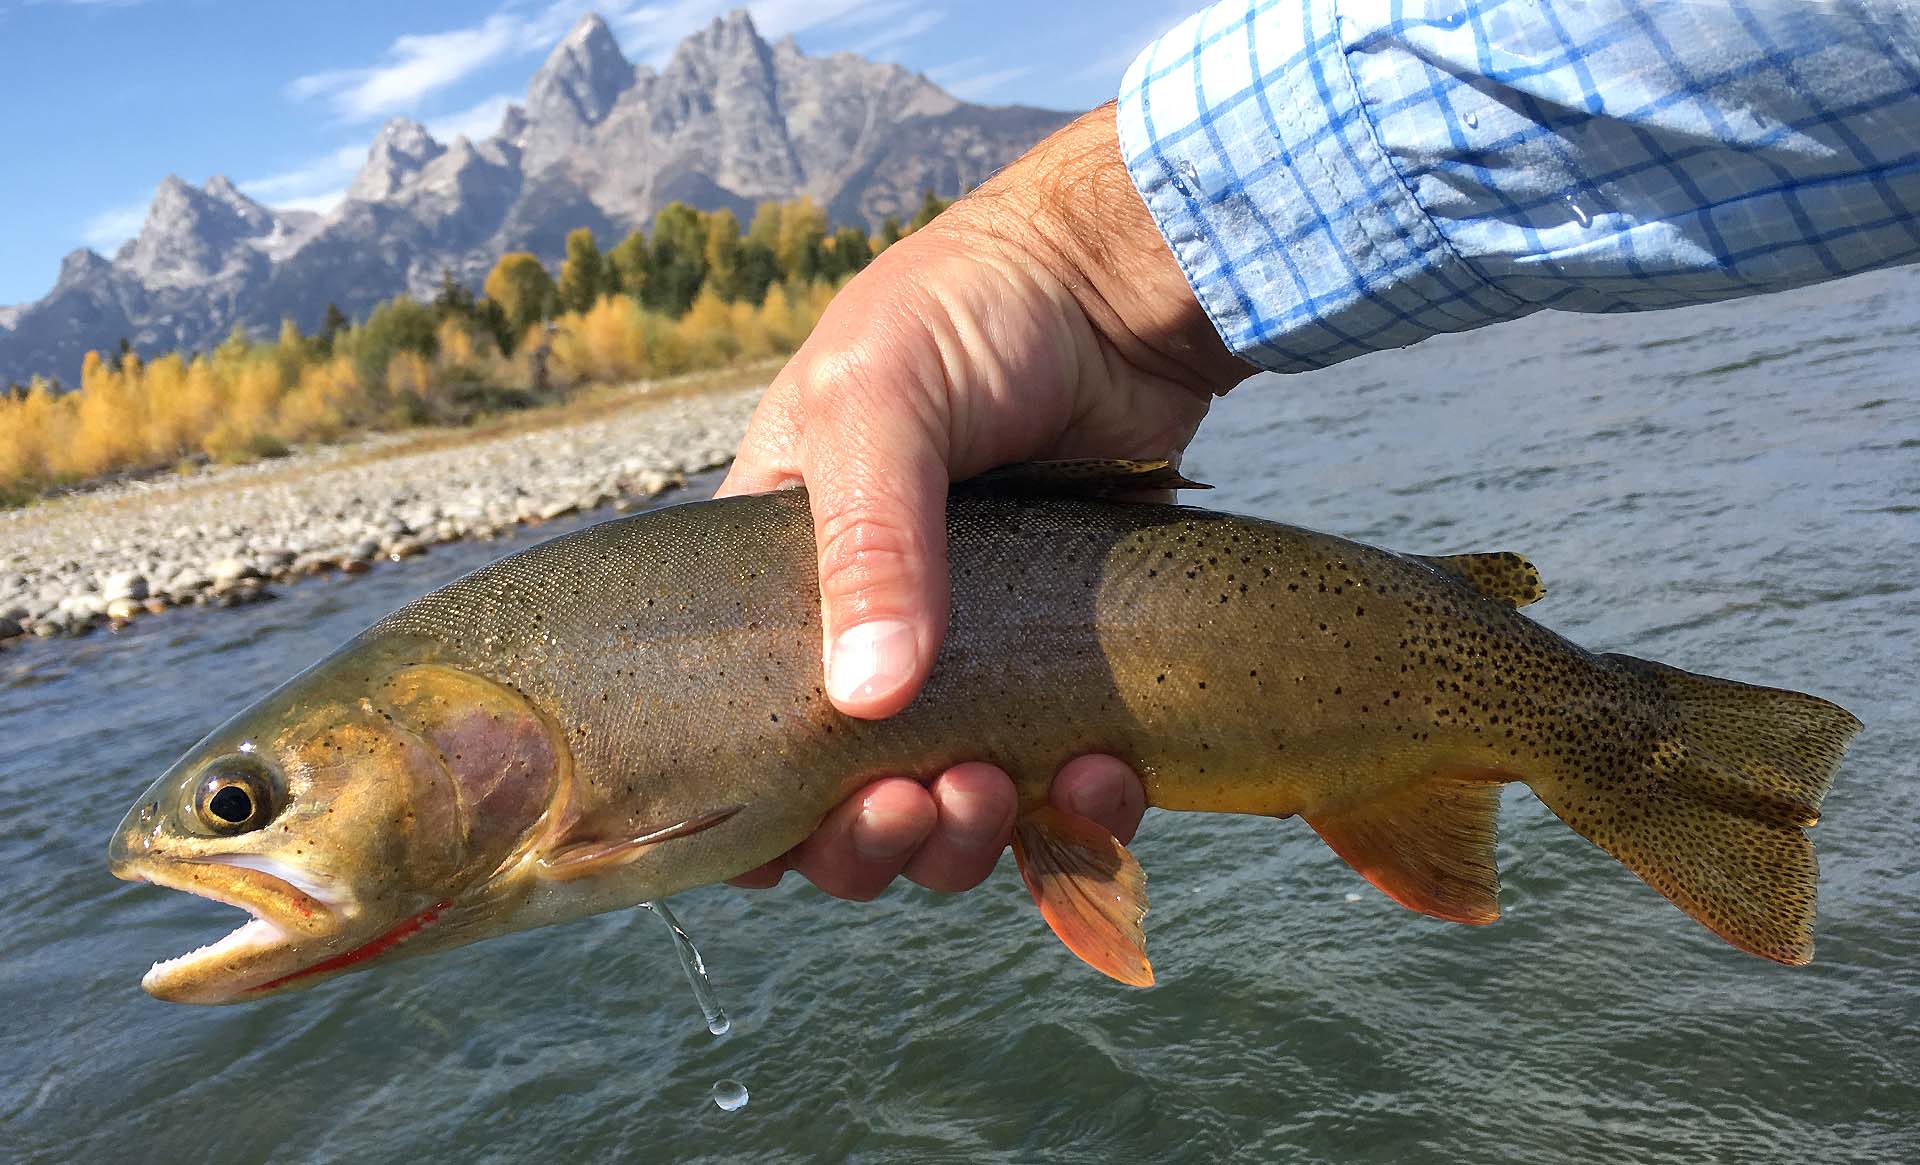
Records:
x=133, y=549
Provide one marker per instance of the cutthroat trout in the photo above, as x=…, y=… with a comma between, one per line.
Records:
x=636, y=708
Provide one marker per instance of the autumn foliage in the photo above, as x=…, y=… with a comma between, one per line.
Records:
x=697, y=293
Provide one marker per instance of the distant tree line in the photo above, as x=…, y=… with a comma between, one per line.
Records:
x=696, y=291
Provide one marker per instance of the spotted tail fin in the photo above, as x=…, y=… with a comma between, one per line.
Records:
x=1715, y=817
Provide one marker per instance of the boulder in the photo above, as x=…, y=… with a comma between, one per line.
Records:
x=125, y=584
x=183, y=587
x=227, y=572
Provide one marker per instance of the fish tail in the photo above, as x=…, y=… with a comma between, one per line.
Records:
x=1714, y=815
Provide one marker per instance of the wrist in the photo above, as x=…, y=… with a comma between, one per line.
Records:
x=1069, y=207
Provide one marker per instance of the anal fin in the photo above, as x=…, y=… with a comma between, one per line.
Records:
x=1428, y=847
x=1089, y=888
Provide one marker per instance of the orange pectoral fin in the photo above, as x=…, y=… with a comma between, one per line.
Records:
x=1428, y=847
x=580, y=859
x=1089, y=888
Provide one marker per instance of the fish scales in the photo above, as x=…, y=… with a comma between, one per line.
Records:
x=637, y=708
x=1078, y=626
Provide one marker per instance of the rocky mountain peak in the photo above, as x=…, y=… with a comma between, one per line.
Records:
x=402, y=150
x=727, y=43
x=221, y=190
x=582, y=78
x=190, y=232
x=78, y=267
x=513, y=125
x=730, y=121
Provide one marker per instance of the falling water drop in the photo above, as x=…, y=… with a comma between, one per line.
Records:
x=696, y=969
x=730, y=1095
x=1578, y=212
x=1471, y=118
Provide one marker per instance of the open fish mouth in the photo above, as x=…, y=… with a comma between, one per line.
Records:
x=286, y=913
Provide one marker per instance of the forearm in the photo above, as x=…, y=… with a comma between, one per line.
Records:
x=1334, y=180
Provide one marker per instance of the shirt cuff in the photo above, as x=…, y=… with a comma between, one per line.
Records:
x=1244, y=134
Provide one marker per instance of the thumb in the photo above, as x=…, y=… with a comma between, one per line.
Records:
x=877, y=484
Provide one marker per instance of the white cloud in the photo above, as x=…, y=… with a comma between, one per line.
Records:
x=319, y=203
x=108, y=229
x=954, y=70
x=416, y=66
x=1120, y=51
x=325, y=172
x=649, y=32
x=475, y=122
x=890, y=38
x=975, y=77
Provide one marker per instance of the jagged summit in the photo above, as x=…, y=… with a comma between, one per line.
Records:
x=582, y=78
x=196, y=235
x=729, y=121
x=402, y=149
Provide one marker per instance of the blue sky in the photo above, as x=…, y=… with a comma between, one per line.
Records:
x=107, y=97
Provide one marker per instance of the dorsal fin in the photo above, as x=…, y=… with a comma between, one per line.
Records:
x=1085, y=477
x=1502, y=575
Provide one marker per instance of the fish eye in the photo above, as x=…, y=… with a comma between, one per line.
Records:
x=237, y=794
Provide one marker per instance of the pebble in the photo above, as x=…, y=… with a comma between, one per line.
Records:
x=229, y=572
x=126, y=584
x=106, y=556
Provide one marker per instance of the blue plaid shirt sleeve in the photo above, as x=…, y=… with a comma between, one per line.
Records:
x=1341, y=176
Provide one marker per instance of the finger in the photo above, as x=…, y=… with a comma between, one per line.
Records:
x=1103, y=789
x=767, y=459
x=877, y=481
x=976, y=804
x=865, y=842
x=764, y=876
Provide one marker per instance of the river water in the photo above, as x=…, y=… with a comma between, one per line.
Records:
x=1733, y=489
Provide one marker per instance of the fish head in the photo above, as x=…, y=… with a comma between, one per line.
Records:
x=358, y=814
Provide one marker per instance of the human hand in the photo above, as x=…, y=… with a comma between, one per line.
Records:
x=1042, y=316
x=947, y=835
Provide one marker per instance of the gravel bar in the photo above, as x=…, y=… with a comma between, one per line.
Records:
x=224, y=536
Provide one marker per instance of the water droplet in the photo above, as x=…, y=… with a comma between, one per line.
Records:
x=1472, y=119
x=1578, y=212
x=1186, y=177
x=730, y=1095
x=696, y=969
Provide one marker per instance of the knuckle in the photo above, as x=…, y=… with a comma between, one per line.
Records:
x=828, y=377
x=888, y=378
x=862, y=551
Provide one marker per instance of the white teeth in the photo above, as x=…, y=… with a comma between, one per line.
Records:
x=256, y=934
